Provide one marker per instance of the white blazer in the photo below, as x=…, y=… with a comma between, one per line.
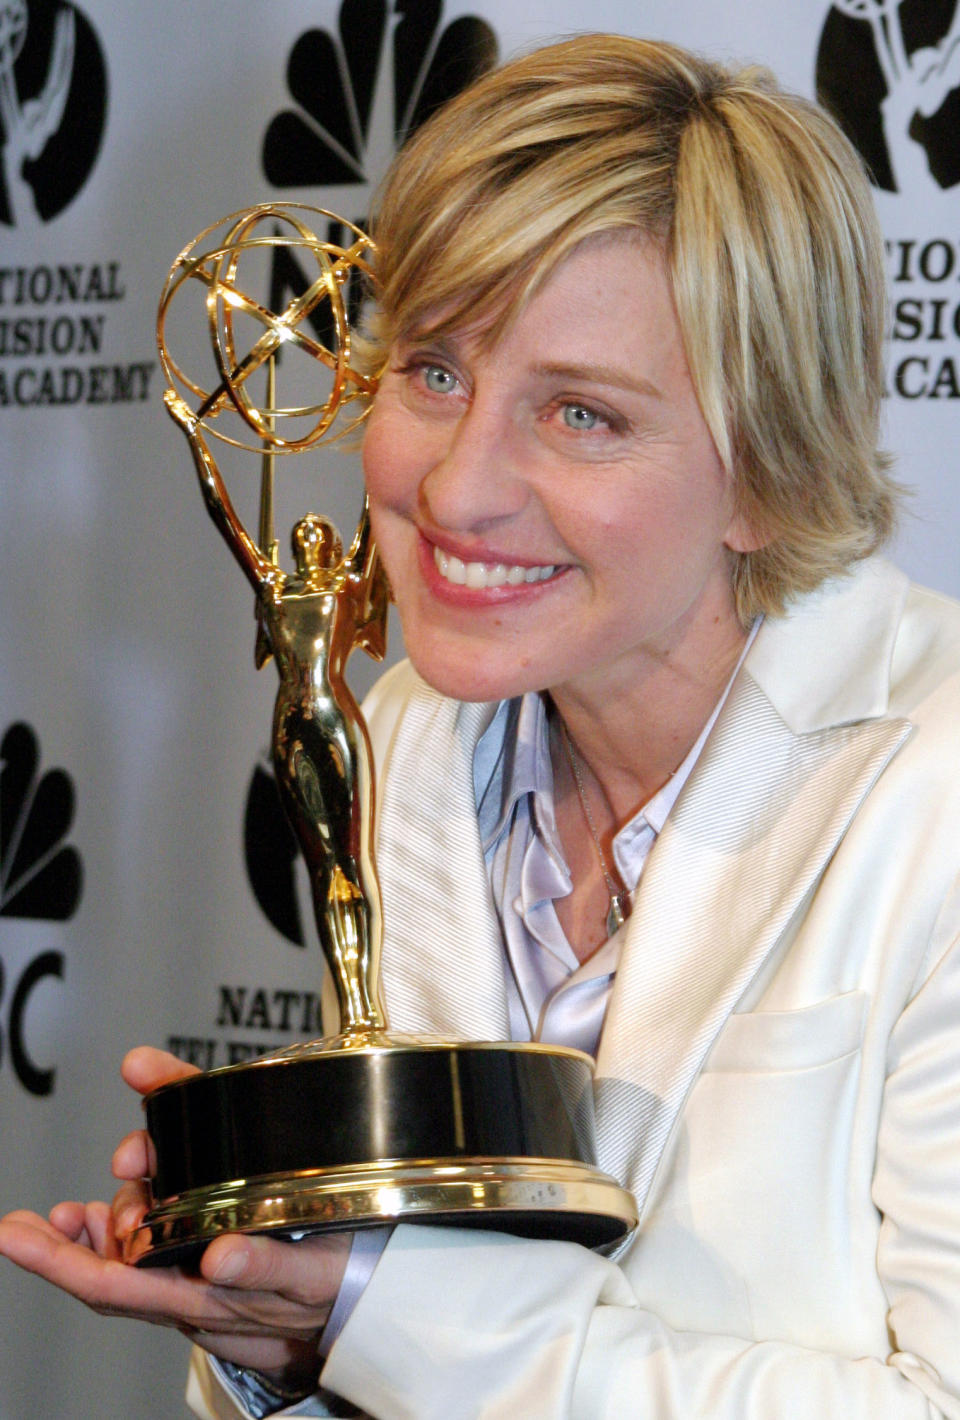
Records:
x=778, y=1079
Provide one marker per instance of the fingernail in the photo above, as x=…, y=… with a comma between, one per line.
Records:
x=232, y=1267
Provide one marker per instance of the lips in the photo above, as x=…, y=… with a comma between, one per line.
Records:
x=478, y=576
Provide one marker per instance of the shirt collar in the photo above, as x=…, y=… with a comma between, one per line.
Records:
x=512, y=759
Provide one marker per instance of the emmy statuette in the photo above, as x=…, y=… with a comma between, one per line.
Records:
x=364, y=1127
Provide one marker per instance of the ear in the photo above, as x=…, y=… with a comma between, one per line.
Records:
x=744, y=535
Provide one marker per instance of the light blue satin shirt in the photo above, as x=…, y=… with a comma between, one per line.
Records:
x=551, y=996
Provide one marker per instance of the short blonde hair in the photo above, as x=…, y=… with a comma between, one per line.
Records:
x=764, y=217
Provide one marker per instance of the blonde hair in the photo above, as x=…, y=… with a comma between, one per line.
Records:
x=764, y=217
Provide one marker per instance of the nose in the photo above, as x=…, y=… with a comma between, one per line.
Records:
x=476, y=480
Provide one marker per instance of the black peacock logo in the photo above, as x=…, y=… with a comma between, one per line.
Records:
x=357, y=96
x=40, y=876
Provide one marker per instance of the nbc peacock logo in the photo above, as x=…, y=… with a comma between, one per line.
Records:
x=41, y=877
x=358, y=94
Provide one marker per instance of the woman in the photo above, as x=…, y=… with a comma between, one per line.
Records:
x=623, y=474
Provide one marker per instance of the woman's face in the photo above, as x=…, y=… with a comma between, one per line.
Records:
x=552, y=511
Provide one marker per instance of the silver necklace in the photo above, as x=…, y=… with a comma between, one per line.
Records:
x=619, y=899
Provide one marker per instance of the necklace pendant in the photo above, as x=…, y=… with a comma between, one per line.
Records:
x=616, y=916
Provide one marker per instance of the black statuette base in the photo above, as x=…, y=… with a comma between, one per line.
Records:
x=496, y=1136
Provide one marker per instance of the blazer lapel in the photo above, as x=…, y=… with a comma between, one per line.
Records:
x=443, y=958
x=744, y=846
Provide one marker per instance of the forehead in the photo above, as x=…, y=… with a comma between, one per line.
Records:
x=607, y=306
x=581, y=282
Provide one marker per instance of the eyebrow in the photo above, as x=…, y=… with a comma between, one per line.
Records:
x=598, y=374
x=421, y=340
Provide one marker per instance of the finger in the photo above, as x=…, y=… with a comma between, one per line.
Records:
x=21, y=1218
x=129, y=1205
x=70, y=1219
x=145, y=1068
x=88, y=1224
x=100, y=1230
x=308, y=1272
x=33, y=1242
x=134, y=1156
x=164, y=1295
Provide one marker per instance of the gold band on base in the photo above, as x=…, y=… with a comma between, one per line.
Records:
x=543, y=1198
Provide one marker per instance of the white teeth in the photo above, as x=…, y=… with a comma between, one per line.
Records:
x=478, y=575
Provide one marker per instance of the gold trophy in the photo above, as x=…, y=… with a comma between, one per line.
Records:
x=364, y=1127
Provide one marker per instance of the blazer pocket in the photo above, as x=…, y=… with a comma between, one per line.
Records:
x=763, y=1176
x=773, y=1041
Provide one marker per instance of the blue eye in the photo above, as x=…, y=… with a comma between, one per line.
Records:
x=438, y=380
x=576, y=416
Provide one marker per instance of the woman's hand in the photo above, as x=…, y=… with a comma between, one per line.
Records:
x=257, y=1301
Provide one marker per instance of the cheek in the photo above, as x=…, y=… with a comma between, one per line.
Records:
x=392, y=493
x=662, y=537
x=382, y=465
x=398, y=455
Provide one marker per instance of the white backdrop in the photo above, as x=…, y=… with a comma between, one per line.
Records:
x=126, y=909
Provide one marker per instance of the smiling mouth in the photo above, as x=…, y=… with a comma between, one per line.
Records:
x=478, y=575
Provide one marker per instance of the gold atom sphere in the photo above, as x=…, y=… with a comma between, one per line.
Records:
x=234, y=261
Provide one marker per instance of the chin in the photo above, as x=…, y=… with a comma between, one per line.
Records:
x=467, y=678
x=459, y=686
